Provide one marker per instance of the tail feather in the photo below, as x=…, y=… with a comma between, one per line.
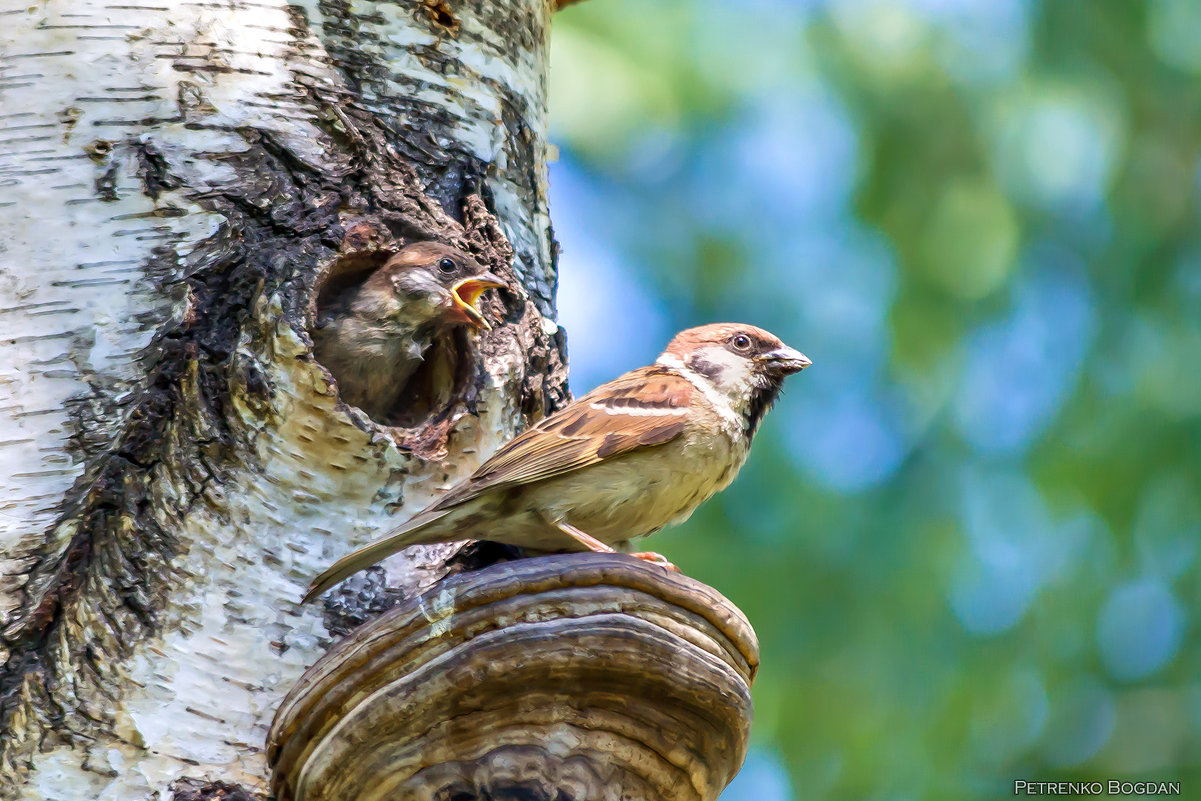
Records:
x=397, y=539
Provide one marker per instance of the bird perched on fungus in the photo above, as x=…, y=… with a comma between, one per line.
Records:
x=373, y=336
x=632, y=456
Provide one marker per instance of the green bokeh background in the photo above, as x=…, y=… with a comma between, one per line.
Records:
x=968, y=535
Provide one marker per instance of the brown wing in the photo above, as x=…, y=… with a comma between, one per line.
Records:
x=644, y=407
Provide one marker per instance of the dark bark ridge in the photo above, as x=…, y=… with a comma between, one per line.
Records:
x=94, y=591
x=198, y=790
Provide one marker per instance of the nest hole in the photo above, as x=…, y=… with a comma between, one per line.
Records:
x=420, y=408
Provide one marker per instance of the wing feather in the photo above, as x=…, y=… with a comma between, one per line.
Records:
x=643, y=408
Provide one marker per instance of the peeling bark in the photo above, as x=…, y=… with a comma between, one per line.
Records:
x=179, y=179
x=196, y=790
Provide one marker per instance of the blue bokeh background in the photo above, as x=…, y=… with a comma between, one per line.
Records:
x=968, y=535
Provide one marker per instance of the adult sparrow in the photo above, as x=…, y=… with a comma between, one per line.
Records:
x=375, y=335
x=632, y=456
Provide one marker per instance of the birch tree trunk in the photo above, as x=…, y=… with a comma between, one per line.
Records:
x=178, y=181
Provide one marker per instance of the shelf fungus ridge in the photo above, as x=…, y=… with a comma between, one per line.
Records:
x=581, y=677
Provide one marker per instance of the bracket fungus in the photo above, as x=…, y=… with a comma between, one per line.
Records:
x=580, y=677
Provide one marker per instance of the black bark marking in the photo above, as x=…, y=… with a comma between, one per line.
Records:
x=106, y=183
x=200, y=790
x=154, y=171
x=358, y=599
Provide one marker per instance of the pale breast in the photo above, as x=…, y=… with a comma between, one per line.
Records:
x=630, y=496
x=371, y=364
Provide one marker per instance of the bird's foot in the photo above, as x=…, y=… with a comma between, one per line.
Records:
x=593, y=544
x=655, y=559
x=583, y=537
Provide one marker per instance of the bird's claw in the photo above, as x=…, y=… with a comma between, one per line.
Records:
x=655, y=559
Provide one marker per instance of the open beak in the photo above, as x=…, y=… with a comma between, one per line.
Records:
x=785, y=360
x=468, y=291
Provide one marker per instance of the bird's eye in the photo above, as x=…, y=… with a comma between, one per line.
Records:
x=447, y=266
x=740, y=342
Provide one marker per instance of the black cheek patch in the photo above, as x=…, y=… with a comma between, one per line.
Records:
x=698, y=364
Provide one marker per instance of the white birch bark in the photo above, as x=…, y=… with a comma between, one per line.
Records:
x=175, y=466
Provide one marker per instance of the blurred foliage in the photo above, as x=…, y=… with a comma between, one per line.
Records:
x=968, y=535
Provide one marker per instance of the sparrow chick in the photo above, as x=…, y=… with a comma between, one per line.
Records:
x=634, y=455
x=375, y=335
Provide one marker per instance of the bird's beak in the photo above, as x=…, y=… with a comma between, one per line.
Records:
x=785, y=360
x=467, y=292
